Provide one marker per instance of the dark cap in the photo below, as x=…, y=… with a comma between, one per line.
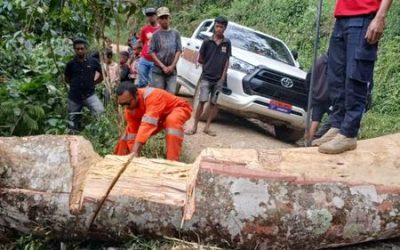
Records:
x=149, y=11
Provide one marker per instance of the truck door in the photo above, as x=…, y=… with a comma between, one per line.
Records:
x=191, y=70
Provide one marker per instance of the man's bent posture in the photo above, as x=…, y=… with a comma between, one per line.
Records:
x=147, y=112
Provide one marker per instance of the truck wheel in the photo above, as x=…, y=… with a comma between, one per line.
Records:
x=286, y=134
x=206, y=109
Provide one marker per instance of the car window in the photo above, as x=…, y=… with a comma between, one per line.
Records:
x=204, y=27
x=258, y=43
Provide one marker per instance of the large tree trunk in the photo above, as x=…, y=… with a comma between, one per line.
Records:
x=291, y=198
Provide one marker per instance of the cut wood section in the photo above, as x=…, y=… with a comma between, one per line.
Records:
x=374, y=162
x=272, y=199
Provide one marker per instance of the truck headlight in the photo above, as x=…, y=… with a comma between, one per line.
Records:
x=240, y=65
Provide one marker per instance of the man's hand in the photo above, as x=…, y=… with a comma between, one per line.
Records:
x=220, y=82
x=375, y=30
x=168, y=69
x=137, y=148
x=171, y=69
x=165, y=69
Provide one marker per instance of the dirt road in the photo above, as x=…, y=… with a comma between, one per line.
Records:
x=232, y=132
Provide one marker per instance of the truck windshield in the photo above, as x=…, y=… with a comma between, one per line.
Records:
x=258, y=43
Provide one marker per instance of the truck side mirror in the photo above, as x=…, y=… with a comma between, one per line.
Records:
x=295, y=54
x=204, y=34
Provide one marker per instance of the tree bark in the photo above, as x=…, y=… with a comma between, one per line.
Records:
x=275, y=199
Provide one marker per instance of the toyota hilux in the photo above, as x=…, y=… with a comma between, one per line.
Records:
x=264, y=79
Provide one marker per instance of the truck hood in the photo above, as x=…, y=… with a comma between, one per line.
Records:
x=259, y=60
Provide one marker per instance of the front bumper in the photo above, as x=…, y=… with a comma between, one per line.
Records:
x=260, y=108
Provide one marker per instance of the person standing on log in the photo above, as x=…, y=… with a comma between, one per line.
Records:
x=145, y=64
x=165, y=49
x=214, y=56
x=352, y=54
x=80, y=75
x=148, y=111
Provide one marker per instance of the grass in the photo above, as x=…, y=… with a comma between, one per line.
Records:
x=29, y=242
x=377, y=124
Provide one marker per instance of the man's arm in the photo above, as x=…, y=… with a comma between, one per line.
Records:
x=153, y=49
x=377, y=25
x=178, y=52
x=200, y=58
x=224, y=73
x=229, y=54
x=67, y=73
x=98, y=69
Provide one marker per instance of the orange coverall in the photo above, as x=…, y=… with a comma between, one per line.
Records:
x=157, y=109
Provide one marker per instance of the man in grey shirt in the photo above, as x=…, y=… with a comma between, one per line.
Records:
x=165, y=49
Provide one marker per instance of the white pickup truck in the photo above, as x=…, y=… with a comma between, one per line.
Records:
x=264, y=79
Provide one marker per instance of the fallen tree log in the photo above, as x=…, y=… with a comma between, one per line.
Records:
x=291, y=198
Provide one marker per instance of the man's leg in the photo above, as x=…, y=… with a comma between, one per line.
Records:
x=323, y=129
x=203, y=98
x=174, y=131
x=170, y=82
x=94, y=104
x=336, y=81
x=360, y=57
x=74, y=113
x=337, y=74
x=158, y=80
x=145, y=70
x=213, y=109
x=211, y=116
x=317, y=113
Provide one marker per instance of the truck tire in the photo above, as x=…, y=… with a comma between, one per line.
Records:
x=206, y=109
x=286, y=134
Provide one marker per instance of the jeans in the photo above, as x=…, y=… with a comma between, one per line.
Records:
x=93, y=103
x=145, y=69
x=163, y=81
x=351, y=63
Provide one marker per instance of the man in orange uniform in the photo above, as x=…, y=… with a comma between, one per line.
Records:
x=149, y=110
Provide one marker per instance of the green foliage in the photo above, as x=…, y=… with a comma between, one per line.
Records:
x=293, y=21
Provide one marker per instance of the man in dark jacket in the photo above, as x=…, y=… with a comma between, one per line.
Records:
x=80, y=75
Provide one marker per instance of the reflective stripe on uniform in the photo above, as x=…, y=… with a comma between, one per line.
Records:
x=149, y=119
x=174, y=131
x=128, y=136
x=147, y=92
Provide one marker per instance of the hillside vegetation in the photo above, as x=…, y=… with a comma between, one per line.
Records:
x=293, y=21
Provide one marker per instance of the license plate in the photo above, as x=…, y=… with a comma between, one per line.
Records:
x=280, y=106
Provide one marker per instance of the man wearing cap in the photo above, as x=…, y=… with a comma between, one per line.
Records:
x=80, y=75
x=165, y=49
x=352, y=54
x=145, y=64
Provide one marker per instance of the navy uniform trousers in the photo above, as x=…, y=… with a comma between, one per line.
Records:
x=350, y=68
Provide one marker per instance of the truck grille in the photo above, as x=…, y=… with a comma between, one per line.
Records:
x=267, y=83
